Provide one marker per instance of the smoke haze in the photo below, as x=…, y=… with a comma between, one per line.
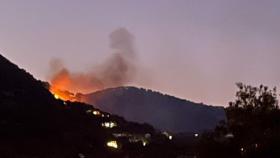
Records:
x=117, y=70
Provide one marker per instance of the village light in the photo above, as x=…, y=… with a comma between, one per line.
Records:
x=170, y=137
x=112, y=144
x=109, y=124
x=96, y=112
x=144, y=143
x=106, y=124
x=196, y=135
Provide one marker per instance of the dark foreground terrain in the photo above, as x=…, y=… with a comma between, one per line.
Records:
x=34, y=124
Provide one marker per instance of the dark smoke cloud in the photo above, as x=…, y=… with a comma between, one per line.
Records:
x=122, y=41
x=119, y=69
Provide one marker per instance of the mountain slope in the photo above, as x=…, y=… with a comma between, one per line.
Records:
x=162, y=111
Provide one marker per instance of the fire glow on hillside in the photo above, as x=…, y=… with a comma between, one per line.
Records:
x=67, y=86
x=119, y=69
x=64, y=95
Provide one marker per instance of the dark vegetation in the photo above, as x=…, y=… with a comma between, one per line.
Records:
x=162, y=111
x=252, y=129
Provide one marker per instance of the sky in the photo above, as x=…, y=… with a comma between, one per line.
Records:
x=193, y=49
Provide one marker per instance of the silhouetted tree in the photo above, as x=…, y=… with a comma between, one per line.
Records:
x=253, y=120
x=255, y=98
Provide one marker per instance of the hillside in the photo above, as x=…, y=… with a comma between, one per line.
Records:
x=162, y=111
x=35, y=124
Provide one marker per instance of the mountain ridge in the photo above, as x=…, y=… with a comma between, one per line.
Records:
x=155, y=91
x=151, y=107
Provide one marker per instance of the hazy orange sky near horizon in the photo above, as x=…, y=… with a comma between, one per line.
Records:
x=193, y=49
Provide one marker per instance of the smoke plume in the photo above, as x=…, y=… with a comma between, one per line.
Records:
x=117, y=70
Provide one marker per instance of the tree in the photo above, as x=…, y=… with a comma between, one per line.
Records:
x=255, y=98
x=254, y=120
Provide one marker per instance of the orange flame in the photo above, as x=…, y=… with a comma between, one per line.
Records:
x=58, y=85
x=64, y=95
x=66, y=86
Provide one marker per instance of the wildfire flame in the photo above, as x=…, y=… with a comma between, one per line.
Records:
x=58, y=85
x=119, y=69
x=64, y=95
x=67, y=86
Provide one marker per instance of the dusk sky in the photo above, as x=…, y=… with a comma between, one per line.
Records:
x=193, y=49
